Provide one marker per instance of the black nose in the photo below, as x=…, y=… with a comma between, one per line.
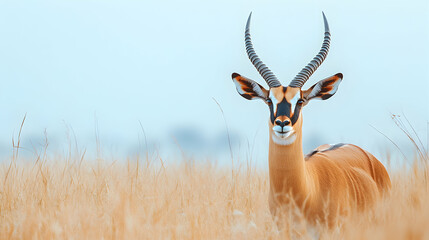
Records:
x=282, y=124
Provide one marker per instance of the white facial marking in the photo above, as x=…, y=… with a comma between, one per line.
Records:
x=277, y=128
x=283, y=136
x=274, y=101
x=294, y=100
x=288, y=139
x=287, y=128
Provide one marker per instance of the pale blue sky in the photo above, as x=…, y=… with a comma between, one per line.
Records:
x=162, y=62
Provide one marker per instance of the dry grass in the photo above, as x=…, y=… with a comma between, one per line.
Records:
x=68, y=198
x=47, y=199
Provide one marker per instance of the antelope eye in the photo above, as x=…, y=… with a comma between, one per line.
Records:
x=300, y=101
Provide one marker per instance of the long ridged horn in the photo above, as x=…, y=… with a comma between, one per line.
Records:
x=265, y=72
x=306, y=72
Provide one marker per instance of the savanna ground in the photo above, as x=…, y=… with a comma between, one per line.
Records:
x=68, y=197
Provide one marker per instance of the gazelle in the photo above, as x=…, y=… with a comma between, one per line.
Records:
x=332, y=179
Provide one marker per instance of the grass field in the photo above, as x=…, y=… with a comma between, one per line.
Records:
x=149, y=199
x=68, y=197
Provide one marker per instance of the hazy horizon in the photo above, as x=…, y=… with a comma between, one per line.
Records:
x=74, y=66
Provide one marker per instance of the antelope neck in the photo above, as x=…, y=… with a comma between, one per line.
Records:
x=287, y=167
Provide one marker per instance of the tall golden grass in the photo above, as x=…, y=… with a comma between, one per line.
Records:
x=55, y=200
x=50, y=198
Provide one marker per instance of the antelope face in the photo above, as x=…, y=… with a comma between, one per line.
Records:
x=285, y=103
x=285, y=109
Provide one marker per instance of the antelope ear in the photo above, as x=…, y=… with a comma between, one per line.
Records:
x=324, y=89
x=248, y=88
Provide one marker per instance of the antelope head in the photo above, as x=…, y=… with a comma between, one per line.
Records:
x=285, y=102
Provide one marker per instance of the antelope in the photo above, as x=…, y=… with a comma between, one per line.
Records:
x=334, y=179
